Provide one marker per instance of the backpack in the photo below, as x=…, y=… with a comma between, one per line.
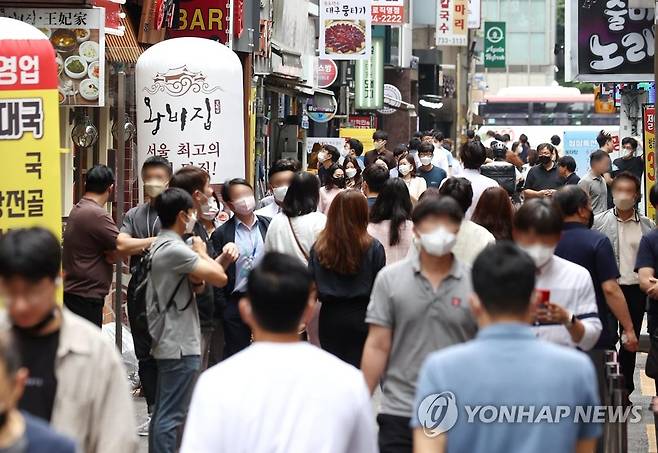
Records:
x=504, y=175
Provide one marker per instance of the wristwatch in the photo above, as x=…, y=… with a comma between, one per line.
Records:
x=572, y=320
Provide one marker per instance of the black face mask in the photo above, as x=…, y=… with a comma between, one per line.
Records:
x=36, y=328
x=339, y=182
x=543, y=160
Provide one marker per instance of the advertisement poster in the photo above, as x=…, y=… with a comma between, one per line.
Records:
x=78, y=36
x=29, y=130
x=313, y=144
x=649, y=126
x=451, y=23
x=579, y=145
x=345, y=31
x=494, y=45
x=608, y=42
x=369, y=79
x=203, y=19
x=189, y=106
x=387, y=12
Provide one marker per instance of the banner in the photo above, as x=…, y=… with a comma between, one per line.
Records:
x=190, y=106
x=363, y=135
x=387, y=12
x=315, y=143
x=78, y=36
x=649, y=144
x=30, y=191
x=203, y=19
x=579, y=145
x=451, y=27
x=608, y=42
x=494, y=45
x=474, y=14
x=369, y=81
x=345, y=31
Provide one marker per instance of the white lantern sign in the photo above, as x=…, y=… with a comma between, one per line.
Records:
x=190, y=106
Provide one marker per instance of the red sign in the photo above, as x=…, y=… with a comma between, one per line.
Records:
x=112, y=15
x=387, y=12
x=203, y=19
x=238, y=18
x=327, y=72
x=362, y=122
x=27, y=64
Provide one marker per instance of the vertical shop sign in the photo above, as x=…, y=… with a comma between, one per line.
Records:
x=345, y=32
x=649, y=128
x=369, y=84
x=494, y=45
x=451, y=26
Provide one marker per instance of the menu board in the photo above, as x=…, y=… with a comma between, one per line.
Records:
x=78, y=37
x=345, y=29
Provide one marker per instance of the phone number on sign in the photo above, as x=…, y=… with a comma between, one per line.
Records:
x=387, y=18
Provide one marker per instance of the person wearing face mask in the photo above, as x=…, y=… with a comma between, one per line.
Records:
x=432, y=175
x=629, y=162
x=625, y=226
x=90, y=247
x=408, y=173
x=544, y=178
x=333, y=186
x=140, y=227
x=77, y=381
x=380, y=139
x=355, y=150
x=247, y=231
x=327, y=157
x=353, y=177
x=178, y=272
x=279, y=177
x=418, y=305
x=569, y=315
x=593, y=183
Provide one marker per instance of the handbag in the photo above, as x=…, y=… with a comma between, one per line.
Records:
x=299, y=244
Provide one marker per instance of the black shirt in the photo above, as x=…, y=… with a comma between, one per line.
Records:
x=647, y=256
x=593, y=251
x=634, y=165
x=572, y=179
x=541, y=179
x=206, y=300
x=38, y=356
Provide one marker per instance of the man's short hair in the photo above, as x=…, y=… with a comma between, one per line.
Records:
x=380, y=135
x=438, y=136
x=156, y=162
x=603, y=138
x=278, y=289
x=400, y=149
x=567, y=162
x=226, y=188
x=375, y=176
x=569, y=199
x=556, y=140
x=473, y=155
x=460, y=189
x=598, y=156
x=282, y=165
x=415, y=143
x=98, y=179
x=190, y=179
x=470, y=134
x=504, y=278
x=629, y=141
x=627, y=176
x=170, y=203
x=356, y=146
x=426, y=147
x=540, y=216
x=334, y=154
x=30, y=253
x=437, y=207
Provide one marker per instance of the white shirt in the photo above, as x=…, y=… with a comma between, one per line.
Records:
x=471, y=240
x=269, y=210
x=571, y=288
x=280, y=237
x=630, y=233
x=442, y=159
x=479, y=184
x=416, y=186
x=280, y=398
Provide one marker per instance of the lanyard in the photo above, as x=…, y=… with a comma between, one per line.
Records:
x=150, y=233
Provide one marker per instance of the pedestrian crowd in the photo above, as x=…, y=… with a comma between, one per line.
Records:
x=490, y=271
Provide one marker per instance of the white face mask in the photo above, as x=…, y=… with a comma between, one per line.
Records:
x=439, y=242
x=322, y=156
x=154, y=187
x=623, y=202
x=244, y=206
x=350, y=173
x=404, y=169
x=426, y=160
x=280, y=193
x=210, y=209
x=540, y=254
x=189, y=225
x=344, y=152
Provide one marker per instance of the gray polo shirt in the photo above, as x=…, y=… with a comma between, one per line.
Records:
x=422, y=320
x=597, y=190
x=172, y=261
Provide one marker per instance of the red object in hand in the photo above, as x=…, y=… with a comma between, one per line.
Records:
x=543, y=296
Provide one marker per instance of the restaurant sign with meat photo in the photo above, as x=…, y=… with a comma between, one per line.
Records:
x=345, y=29
x=78, y=37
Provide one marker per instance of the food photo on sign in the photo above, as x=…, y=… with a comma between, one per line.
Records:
x=345, y=29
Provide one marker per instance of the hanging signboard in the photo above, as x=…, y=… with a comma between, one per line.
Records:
x=189, y=106
x=649, y=145
x=387, y=12
x=345, y=31
x=321, y=108
x=327, y=73
x=369, y=83
x=78, y=36
x=608, y=42
x=474, y=14
x=203, y=19
x=392, y=98
x=29, y=130
x=451, y=26
x=494, y=45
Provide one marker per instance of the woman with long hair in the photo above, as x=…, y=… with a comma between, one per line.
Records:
x=352, y=169
x=333, y=185
x=390, y=220
x=407, y=170
x=494, y=211
x=344, y=262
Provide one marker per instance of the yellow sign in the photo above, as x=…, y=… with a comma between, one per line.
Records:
x=649, y=126
x=362, y=135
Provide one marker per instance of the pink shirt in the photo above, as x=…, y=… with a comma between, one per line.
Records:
x=326, y=197
x=399, y=251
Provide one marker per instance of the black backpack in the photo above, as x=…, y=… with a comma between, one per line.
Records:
x=504, y=175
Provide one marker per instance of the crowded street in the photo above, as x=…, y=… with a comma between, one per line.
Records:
x=328, y=226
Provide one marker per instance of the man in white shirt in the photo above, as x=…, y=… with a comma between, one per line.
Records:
x=280, y=395
x=473, y=156
x=567, y=312
x=442, y=157
x=279, y=177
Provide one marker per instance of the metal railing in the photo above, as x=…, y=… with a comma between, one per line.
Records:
x=615, y=433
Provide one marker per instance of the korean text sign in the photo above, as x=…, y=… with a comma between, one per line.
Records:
x=451, y=23
x=190, y=106
x=29, y=130
x=387, y=12
x=345, y=31
x=608, y=42
x=78, y=36
x=649, y=126
x=369, y=83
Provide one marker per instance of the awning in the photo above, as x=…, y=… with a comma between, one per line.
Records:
x=123, y=49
